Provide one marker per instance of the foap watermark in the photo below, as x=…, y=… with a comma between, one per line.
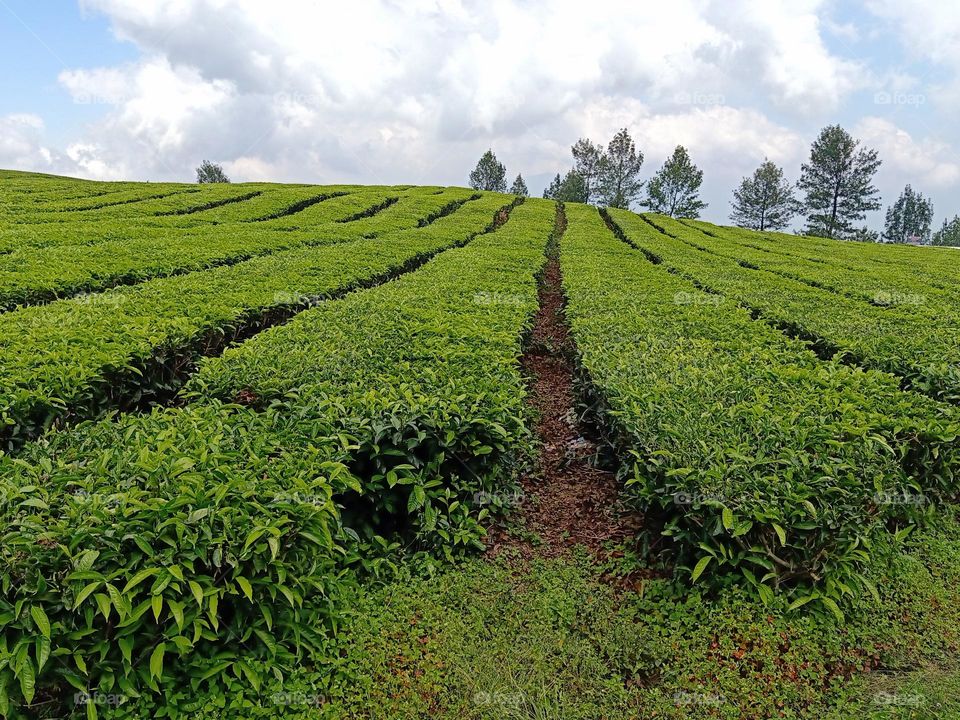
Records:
x=684, y=499
x=303, y=99
x=292, y=297
x=500, y=499
x=889, y=699
x=99, y=698
x=900, y=498
x=886, y=297
x=108, y=501
x=497, y=298
x=695, y=298
x=302, y=699
x=899, y=98
x=86, y=98
x=699, y=698
x=513, y=700
x=109, y=299
x=699, y=98
x=298, y=498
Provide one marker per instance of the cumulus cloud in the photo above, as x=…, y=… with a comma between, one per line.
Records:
x=930, y=32
x=21, y=143
x=378, y=89
x=390, y=91
x=925, y=162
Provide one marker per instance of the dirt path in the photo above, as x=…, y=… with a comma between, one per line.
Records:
x=566, y=501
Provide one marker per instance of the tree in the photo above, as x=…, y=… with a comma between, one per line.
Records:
x=551, y=191
x=910, y=216
x=838, y=184
x=588, y=161
x=571, y=188
x=864, y=234
x=209, y=172
x=618, y=183
x=519, y=187
x=948, y=234
x=490, y=174
x=675, y=189
x=764, y=201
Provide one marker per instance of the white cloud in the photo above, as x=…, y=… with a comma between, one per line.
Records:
x=412, y=91
x=379, y=90
x=781, y=50
x=929, y=32
x=925, y=163
x=21, y=143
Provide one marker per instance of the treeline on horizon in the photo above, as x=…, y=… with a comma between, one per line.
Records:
x=833, y=195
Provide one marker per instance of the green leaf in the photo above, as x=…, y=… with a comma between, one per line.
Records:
x=40, y=618
x=126, y=648
x=177, y=610
x=85, y=593
x=139, y=578
x=197, y=592
x=727, y=516
x=176, y=572
x=156, y=660
x=197, y=515
x=800, y=602
x=42, y=646
x=781, y=533
x=252, y=677
x=832, y=606
x=103, y=602
x=28, y=681
x=417, y=498
x=245, y=586
x=700, y=567
x=212, y=610
x=766, y=594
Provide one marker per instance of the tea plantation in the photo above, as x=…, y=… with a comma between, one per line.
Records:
x=272, y=450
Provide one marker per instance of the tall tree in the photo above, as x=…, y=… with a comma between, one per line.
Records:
x=587, y=163
x=550, y=191
x=838, y=184
x=570, y=188
x=490, y=174
x=210, y=172
x=910, y=216
x=948, y=234
x=618, y=182
x=675, y=189
x=519, y=187
x=764, y=201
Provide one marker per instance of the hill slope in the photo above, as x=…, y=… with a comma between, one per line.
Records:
x=349, y=451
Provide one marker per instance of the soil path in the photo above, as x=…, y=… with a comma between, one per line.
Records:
x=567, y=500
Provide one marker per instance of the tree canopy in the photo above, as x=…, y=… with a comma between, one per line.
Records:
x=618, y=174
x=764, y=201
x=909, y=217
x=210, y=172
x=675, y=189
x=490, y=174
x=519, y=187
x=838, y=185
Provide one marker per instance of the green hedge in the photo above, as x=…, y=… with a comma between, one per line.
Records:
x=121, y=348
x=29, y=277
x=286, y=492
x=762, y=459
x=923, y=353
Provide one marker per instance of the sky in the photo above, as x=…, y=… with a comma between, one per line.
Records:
x=414, y=91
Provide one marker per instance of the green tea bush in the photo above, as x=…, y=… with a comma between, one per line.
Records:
x=761, y=458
